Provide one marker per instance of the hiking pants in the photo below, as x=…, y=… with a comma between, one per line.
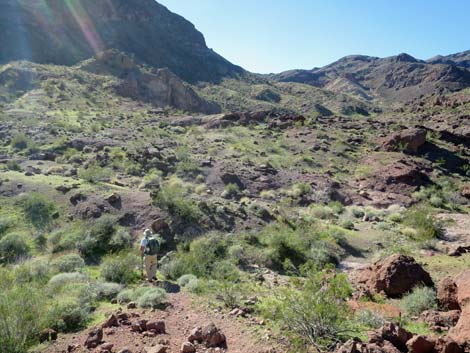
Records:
x=151, y=266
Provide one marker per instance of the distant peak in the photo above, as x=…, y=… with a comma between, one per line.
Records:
x=404, y=57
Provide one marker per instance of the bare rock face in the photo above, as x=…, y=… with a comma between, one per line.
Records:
x=447, y=345
x=395, y=276
x=440, y=319
x=447, y=294
x=461, y=331
x=162, y=88
x=408, y=140
x=396, y=335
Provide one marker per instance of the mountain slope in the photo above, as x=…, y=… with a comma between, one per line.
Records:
x=396, y=78
x=66, y=32
x=458, y=59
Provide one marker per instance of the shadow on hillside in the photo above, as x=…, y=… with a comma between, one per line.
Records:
x=447, y=160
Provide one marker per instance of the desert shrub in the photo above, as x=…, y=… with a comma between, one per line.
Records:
x=21, y=317
x=185, y=279
x=21, y=142
x=422, y=220
x=13, y=248
x=107, y=290
x=301, y=189
x=336, y=206
x=38, y=209
x=152, y=298
x=370, y=319
x=229, y=293
x=172, y=198
x=97, y=238
x=94, y=174
x=65, y=239
x=317, y=313
x=68, y=314
x=37, y=270
x=357, y=212
x=420, y=299
x=230, y=191
x=322, y=212
x=69, y=263
x=5, y=225
x=436, y=201
x=120, y=268
x=125, y=296
x=13, y=166
x=120, y=240
x=60, y=280
x=347, y=224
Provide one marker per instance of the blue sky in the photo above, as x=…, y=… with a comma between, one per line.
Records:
x=276, y=35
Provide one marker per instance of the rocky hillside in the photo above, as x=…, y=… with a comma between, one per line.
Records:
x=67, y=32
x=393, y=79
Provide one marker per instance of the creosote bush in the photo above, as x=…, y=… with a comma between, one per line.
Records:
x=69, y=263
x=152, y=298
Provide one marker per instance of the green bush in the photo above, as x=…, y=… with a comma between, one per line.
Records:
x=421, y=219
x=38, y=210
x=125, y=296
x=173, y=199
x=121, y=240
x=97, y=238
x=69, y=263
x=120, y=268
x=152, y=298
x=347, y=224
x=370, y=319
x=69, y=314
x=420, y=299
x=21, y=142
x=230, y=191
x=185, y=279
x=107, y=290
x=317, y=313
x=22, y=313
x=12, y=248
x=60, y=280
x=36, y=270
x=94, y=174
x=5, y=225
x=13, y=166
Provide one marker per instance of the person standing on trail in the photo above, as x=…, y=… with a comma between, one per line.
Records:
x=149, y=247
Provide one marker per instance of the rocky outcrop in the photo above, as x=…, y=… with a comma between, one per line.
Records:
x=408, y=140
x=395, y=276
x=162, y=88
x=447, y=294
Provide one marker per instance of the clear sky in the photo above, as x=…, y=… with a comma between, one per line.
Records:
x=276, y=35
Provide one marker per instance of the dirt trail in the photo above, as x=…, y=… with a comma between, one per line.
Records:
x=180, y=318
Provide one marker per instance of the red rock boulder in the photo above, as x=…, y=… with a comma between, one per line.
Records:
x=394, y=276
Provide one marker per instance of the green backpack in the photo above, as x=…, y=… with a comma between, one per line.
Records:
x=153, y=246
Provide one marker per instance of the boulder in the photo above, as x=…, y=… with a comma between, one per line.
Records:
x=447, y=294
x=460, y=333
x=156, y=326
x=106, y=347
x=396, y=335
x=420, y=344
x=159, y=348
x=125, y=350
x=188, y=347
x=111, y=321
x=440, y=319
x=408, y=140
x=213, y=336
x=395, y=276
x=447, y=345
x=195, y=335
x=94, y=338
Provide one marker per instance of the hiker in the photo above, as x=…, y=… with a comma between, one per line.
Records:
x=149, y=247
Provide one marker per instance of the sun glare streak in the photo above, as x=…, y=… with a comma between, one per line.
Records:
x=86, y=25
